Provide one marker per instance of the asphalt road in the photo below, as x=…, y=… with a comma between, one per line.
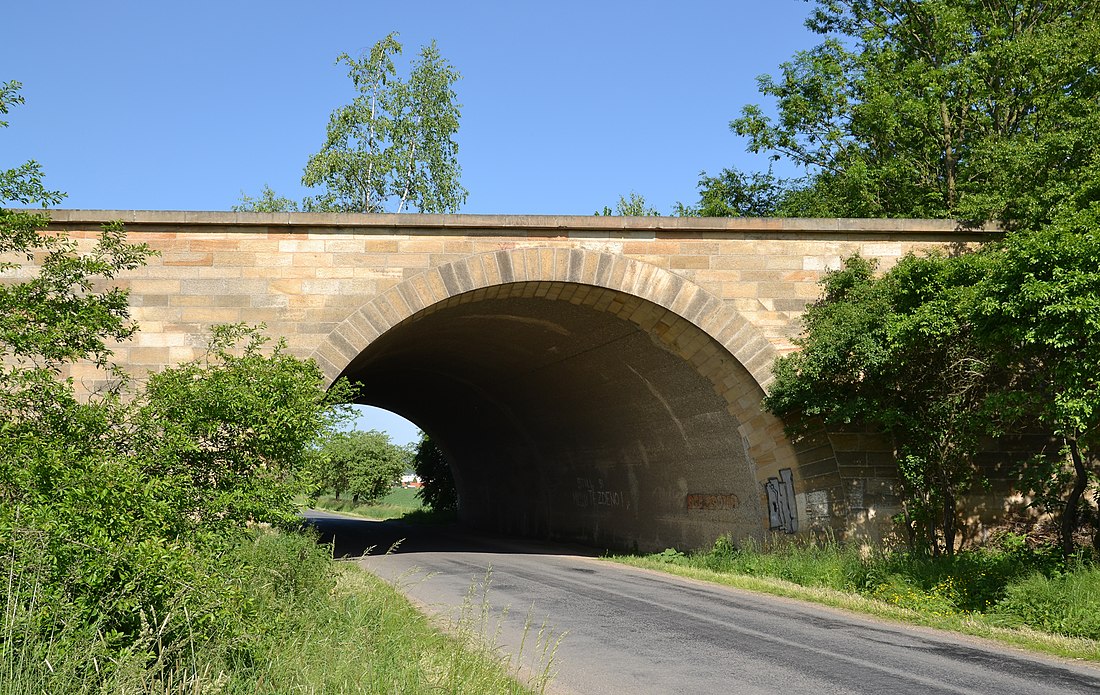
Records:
x=624, y=630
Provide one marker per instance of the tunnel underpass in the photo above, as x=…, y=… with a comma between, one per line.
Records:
x=573, y=413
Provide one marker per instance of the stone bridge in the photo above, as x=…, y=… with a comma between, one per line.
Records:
x=595, y=379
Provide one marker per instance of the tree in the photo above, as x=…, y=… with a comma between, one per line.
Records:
x=632, y=206
x=238, y=427
x=269, y=201
x=1040, y=315
x=365, y=464
x=978, y=109
x=394, y=144
x=49, y=441
x=430, y=465
x=734, y=193
x=77, y=521
x=896, y=354
x=975, y=110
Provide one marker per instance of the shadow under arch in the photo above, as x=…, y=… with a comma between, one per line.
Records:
x=688, y=396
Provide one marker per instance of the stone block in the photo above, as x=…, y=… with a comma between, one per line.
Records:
x=421, y=246
x=505, y=271
x=435, y=284
x=334, y=273
x=140, y=285
x=881, y=249
x=211, y=315
x=408, y=260
x=297, y=246
x=546, y=264
x=689, y=262
x=650, y=248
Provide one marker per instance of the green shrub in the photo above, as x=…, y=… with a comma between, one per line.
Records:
x=972, y=581
x=720, y=558
x=670, y=555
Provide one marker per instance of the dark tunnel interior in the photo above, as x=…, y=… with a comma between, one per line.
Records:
x=566, y=412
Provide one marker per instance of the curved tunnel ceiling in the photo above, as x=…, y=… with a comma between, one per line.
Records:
x=563, y=419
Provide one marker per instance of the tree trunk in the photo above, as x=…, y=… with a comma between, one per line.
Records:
x=950, y=158
x=1070, y=513
x=910, y=528
x=949, y=525
x=408, y=178
x=933, y=525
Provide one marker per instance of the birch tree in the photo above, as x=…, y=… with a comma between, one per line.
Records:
x=393, y=148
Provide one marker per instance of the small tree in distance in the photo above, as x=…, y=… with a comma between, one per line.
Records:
x=268, y=201
x=438, y=491
x=363, y=464
x=633, y=205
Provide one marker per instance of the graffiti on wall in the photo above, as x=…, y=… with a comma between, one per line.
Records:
x=712, y=501
x=592, y=495
x=782, y=511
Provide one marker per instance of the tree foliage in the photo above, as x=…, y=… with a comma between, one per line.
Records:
x=63, y=312
x=237, y=427
x=734, y=193
x=430, y=464
x=975, y=110
x=633, y=205
x=1040, y=311
x=268, y=201
x=393, y=145
x=364, y=464
x=941, y=351
x=897, y=354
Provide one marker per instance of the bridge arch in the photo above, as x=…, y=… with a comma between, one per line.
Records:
x=579, y=394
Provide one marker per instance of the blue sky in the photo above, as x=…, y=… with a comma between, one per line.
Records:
x=566, y=105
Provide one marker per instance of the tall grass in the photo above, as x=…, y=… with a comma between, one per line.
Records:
x=1067, y=604
x=1006, y=582
x=303, y=623
x=480, y=627
x=827, y=564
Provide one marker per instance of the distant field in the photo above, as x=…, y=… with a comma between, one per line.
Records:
x=399, y=502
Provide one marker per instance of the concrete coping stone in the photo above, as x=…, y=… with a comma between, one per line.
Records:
x=476, y=225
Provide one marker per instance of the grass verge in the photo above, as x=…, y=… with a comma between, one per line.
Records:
x=365, y=637
x=300, y=622
x=995, y=593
